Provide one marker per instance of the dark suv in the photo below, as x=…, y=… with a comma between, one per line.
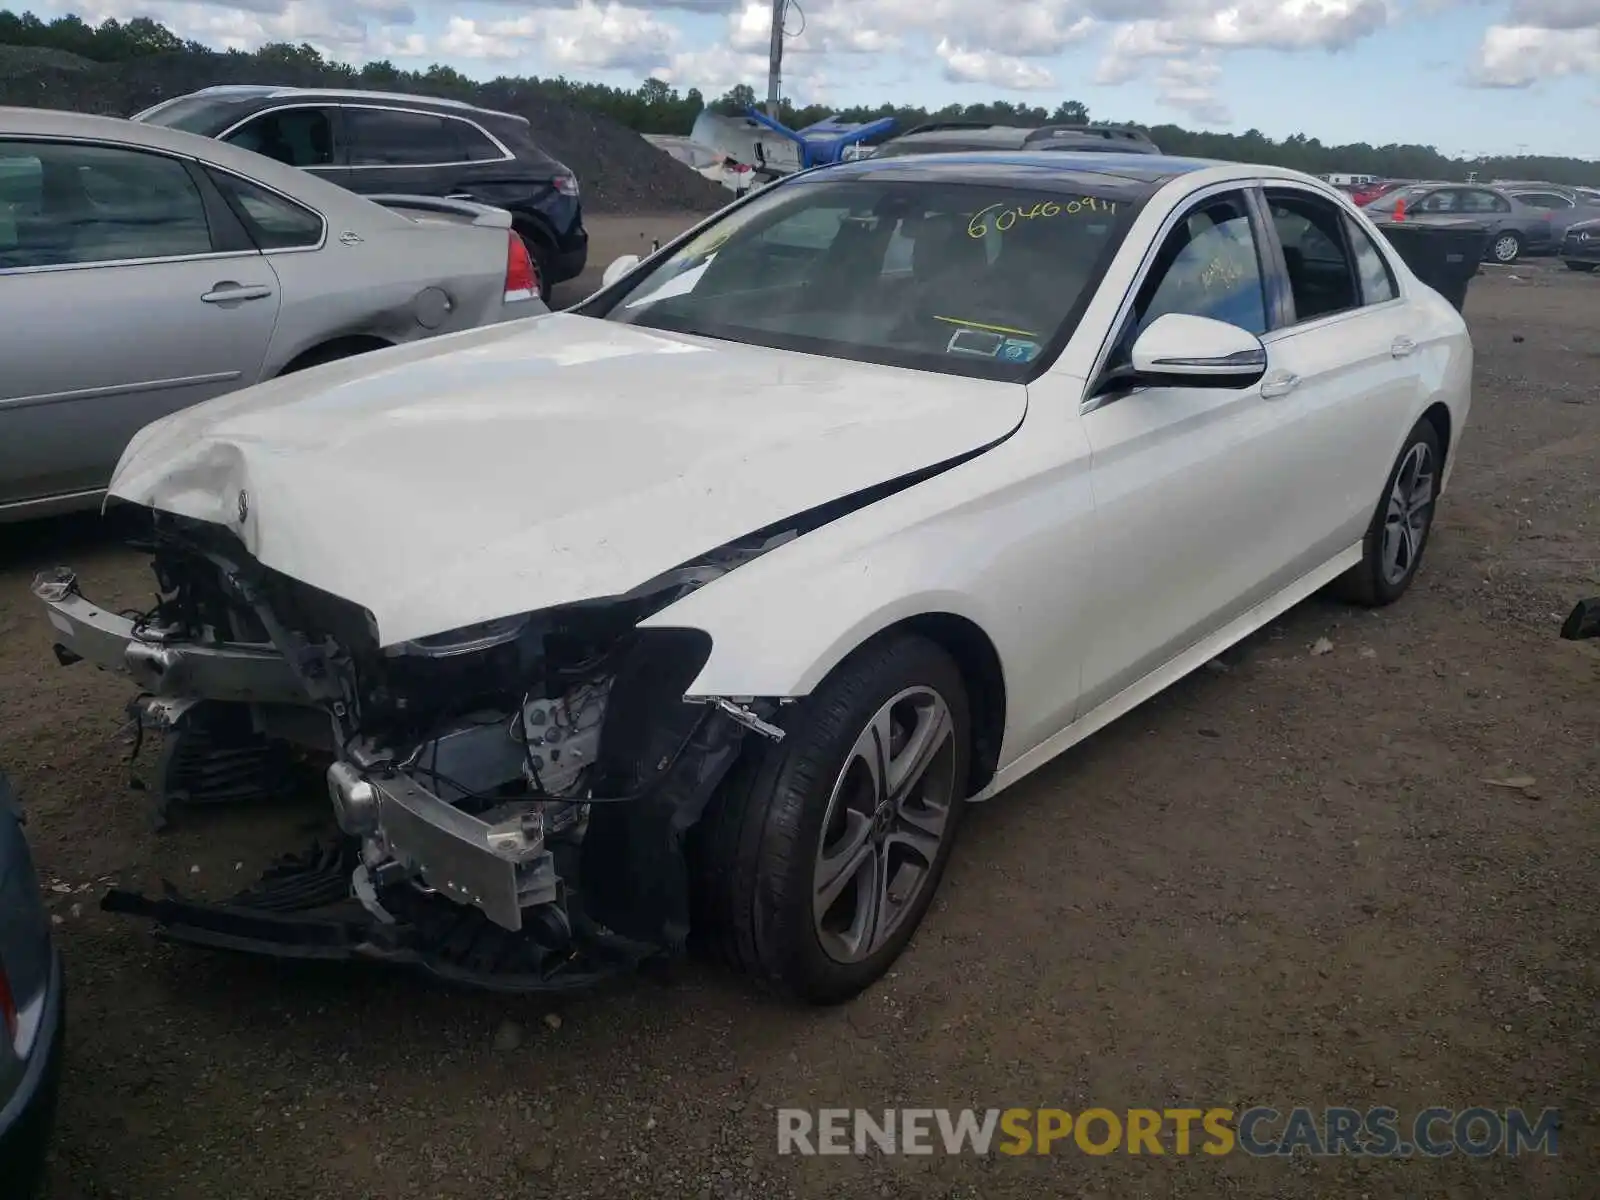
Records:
x=944, y=137
x=380, y=143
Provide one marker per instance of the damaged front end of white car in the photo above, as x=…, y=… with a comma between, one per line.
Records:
x=512, y=798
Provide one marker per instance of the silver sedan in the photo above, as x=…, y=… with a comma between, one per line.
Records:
x=143, y=270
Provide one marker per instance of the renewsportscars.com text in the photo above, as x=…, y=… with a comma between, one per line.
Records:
x=1260, y=1132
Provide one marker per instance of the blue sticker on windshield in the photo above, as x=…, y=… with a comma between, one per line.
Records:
x=1019, y=350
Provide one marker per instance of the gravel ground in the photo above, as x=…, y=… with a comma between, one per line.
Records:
x=1283, y=882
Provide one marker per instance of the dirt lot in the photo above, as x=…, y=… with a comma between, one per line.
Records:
x=612, y=237
x=1283, y=882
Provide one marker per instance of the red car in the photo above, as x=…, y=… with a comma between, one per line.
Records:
x=1366, y=193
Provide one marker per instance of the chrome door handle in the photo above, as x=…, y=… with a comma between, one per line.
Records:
x=1401, y=347
x=1279, y=383
x=458, y=196
x=227, y=293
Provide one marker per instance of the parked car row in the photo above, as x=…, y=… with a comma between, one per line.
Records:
x=383, y=143
x=1522, y=217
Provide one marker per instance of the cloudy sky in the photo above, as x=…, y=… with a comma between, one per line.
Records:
x=1468, y=76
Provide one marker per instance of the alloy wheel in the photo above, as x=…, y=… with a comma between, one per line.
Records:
x=1410, y=510
x=1505, y=248
x=886, y=820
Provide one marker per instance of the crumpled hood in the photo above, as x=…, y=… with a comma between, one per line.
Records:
x=541, y=462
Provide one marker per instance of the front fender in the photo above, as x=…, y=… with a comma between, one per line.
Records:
x=780, y=623
x=787, y=653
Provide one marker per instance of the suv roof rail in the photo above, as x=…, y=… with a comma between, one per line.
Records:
x=1110, y=133
x=940, y=126
x=285, y=92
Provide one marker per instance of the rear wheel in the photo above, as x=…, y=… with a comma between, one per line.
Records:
x=1580, y=266
x=1506, y=247
x=1398, y=533
x=819, y=861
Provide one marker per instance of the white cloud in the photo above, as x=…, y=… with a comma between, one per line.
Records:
x=344, y=30
x=718, y=68
x=1189, y=85
x=1518, y=56
x=997, y=70
x=588, y=37
x=1016, y=28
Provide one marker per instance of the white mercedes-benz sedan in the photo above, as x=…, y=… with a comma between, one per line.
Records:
x=696, y=613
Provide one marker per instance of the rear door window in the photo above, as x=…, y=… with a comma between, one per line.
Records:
x=1550, y=200
x=1322, y=276
x=385, y=137
x=300, y=137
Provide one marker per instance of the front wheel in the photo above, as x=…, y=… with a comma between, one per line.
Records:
x=817, y=865
x=1398, y=533
x=1506, y=248
x=1580, y=266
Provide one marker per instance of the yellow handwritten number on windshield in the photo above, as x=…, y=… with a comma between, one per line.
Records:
x=1001, y=217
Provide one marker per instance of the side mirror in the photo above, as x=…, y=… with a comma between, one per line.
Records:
x=618, y=268
x=1179, y=350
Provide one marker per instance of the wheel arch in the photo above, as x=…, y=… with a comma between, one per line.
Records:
x=1437, y=414
x=965, y=640
x=345, y=346
x=978, y=661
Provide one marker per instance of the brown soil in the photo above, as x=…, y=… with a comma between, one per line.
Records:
x=1283, y=882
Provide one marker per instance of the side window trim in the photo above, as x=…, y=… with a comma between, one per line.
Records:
x=1093, y=398
x=226, y=237
x=341, y=141
x=1274, y=270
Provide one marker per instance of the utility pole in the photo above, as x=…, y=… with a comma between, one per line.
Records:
x=775, y=60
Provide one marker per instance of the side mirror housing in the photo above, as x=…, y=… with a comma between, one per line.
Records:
x=618, y=268
x=1179, y=350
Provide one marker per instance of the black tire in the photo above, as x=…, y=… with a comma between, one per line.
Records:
x=1505, y=247
x=1370, y=583
x=1580, y=266
x=757, y=849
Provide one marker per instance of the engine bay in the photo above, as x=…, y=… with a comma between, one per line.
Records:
x=512, y=798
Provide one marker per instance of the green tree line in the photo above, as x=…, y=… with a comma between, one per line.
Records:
x=657, y=107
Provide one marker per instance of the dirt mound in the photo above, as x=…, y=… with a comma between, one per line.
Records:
x=15, y=59
x=618, y=169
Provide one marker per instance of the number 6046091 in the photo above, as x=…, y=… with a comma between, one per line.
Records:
x=1001, y=217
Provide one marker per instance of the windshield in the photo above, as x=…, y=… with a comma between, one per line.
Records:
x=205, y=115
x=961, y=278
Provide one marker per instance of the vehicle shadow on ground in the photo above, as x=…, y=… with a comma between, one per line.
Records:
x=52, y=541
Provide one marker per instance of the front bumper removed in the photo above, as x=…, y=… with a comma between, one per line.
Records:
x=298, y=911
